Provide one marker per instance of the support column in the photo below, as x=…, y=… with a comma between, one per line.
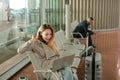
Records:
x=68, y=19
x=42, y=11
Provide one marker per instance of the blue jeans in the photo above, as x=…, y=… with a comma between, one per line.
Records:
x=67, y=74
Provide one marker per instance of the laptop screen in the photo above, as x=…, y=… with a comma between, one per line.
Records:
x=63, y=62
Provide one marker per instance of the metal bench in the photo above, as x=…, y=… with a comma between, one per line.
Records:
x=63, y=43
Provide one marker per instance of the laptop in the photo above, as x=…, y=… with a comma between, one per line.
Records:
x=62, y=62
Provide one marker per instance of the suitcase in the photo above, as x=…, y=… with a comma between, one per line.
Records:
x=93, y=67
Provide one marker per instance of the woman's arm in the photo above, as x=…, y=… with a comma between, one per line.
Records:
x=25, y=47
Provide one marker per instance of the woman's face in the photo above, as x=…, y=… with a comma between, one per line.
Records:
x=47, y=35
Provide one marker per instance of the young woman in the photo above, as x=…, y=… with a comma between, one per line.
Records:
x=43, y=46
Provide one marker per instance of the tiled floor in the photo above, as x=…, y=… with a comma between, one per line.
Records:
x=107, y=43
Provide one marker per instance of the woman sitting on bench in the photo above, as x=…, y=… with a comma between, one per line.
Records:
x=43, y=46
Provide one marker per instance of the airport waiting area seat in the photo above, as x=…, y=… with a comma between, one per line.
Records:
x=80, y=40
x=51, y=72
x=63, y=43
x=66, y=46
x=35, y=62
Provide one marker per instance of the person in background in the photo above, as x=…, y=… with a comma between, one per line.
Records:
x=82, y=28
x=42, y=44
x=8, y=14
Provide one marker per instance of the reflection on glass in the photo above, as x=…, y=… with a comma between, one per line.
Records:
x=12, y=17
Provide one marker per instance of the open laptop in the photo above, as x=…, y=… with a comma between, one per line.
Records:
x=62, y=62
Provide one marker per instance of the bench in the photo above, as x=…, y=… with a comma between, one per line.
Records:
x=35, y=62
x=63, y=43
x=66, y=46
x=82, y=39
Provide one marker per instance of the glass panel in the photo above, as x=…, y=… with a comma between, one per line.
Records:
x=12, y=16
x=17, y=21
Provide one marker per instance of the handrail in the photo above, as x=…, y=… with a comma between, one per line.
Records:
x=13, y=65
x=11, y=41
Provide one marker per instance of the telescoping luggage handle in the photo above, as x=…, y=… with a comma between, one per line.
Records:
x=87, y=42
x=93, y=66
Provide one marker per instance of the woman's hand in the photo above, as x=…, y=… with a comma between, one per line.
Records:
x=34, y=38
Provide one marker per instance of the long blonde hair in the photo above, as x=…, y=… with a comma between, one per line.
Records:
x=50, y=43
